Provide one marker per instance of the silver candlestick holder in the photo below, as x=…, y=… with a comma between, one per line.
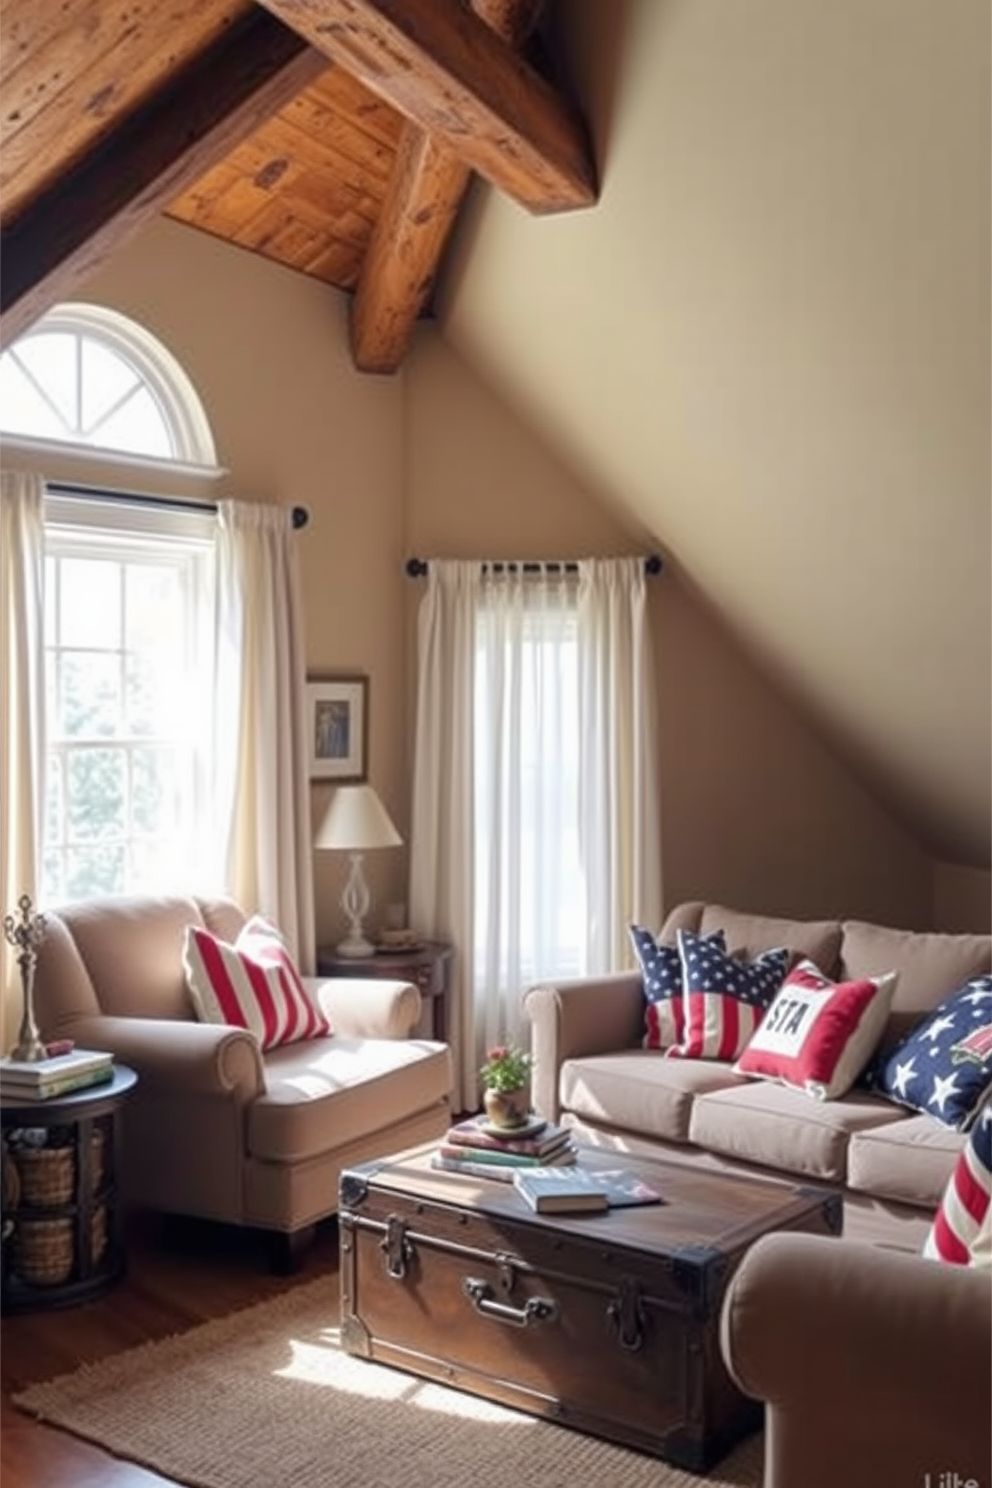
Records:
x=25, y=933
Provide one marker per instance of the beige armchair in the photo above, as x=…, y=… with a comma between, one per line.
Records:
x=875, y=1365
x=215, y=1128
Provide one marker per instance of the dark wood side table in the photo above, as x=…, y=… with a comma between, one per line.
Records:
x=427, y=966
x=70, y=1249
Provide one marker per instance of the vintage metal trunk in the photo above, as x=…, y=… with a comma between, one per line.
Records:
x=605, y=1322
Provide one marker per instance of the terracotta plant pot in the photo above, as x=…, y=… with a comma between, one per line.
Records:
x=506, y=1108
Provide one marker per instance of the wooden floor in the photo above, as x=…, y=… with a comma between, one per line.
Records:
x=177, y=1277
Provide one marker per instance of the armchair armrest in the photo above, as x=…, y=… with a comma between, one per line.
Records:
x=173, y=1055
x=584, y=1015
x=363, y=1007
x=875, y=1365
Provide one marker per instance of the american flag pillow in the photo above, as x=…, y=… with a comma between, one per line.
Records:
x=252, y=984
x=961, y=1230
x=944, y=1067
x=661, y=969
x=724, y=998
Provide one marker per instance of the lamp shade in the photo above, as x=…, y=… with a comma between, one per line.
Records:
x=356, y=820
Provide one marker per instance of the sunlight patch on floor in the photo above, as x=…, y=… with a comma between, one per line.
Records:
x=326, y=1365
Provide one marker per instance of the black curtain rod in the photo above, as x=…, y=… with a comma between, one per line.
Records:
x=418, y=567
x=145, y=498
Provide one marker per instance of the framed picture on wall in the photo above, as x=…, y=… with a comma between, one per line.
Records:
x=337, y=727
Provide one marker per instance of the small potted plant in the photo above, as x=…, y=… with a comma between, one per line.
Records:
x=506, y=1086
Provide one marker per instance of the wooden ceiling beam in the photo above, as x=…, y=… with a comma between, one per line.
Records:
x=443, y=68
x=426, y=189
x=166, y=145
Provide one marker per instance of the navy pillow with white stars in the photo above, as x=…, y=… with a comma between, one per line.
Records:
x=661, y=969
x=944, y=1067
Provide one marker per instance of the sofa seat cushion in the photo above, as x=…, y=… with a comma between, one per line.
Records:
x=909, y=1160
x=325, y=1093
x=640, y=1090
x=785, y=1129
x=929, y=967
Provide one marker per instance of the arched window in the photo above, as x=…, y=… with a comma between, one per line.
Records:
x=91, y=378
x=129, y=599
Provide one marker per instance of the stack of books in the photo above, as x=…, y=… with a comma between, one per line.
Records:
x=46, y=1079
x=480, y=1150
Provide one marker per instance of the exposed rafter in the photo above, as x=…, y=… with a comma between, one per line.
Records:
x=427, y=188
x=444, y=69
x=98, y=204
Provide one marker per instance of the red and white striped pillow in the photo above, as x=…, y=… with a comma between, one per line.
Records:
x=962, y=1227
x=252, y=984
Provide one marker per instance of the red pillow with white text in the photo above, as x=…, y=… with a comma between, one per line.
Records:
x=252, y=984
x=818, y=1035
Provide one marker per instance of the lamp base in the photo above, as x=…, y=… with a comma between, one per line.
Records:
x=354, y=947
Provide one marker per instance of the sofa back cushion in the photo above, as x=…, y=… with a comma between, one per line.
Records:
x=749, y=935
x=132, y=949
x=929, y=966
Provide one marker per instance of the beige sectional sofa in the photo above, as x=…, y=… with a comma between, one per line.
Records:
x=592, y=1073
x=216, y=1128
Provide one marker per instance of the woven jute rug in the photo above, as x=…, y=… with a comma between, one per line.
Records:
x=266, y=1396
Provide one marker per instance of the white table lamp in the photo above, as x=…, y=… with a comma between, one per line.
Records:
x=355, y=822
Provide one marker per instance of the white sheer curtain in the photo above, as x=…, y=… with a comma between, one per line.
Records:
x=535, y=816
x=262, y=757
x=441, y=835
x=620, y=807
x=22, y=713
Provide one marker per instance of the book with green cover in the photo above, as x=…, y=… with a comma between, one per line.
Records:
x=14, y=1092
x=564, y=1153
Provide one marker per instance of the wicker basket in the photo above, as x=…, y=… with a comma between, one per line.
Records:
x=48, y=1174
x=43, y=1248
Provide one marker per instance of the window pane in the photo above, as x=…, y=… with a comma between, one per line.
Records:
x=96, y=783
x=153, y=594
x=137, y=425
x=152, y=790
x=50, y=358
x=24, y=407
x=94, y=870
x=90, y=695
x=91, y=605
x=107, y=379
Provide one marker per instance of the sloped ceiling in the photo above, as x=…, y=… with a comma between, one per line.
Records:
x=769, y=343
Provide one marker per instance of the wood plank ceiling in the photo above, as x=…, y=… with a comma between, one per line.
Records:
x=336, y=137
